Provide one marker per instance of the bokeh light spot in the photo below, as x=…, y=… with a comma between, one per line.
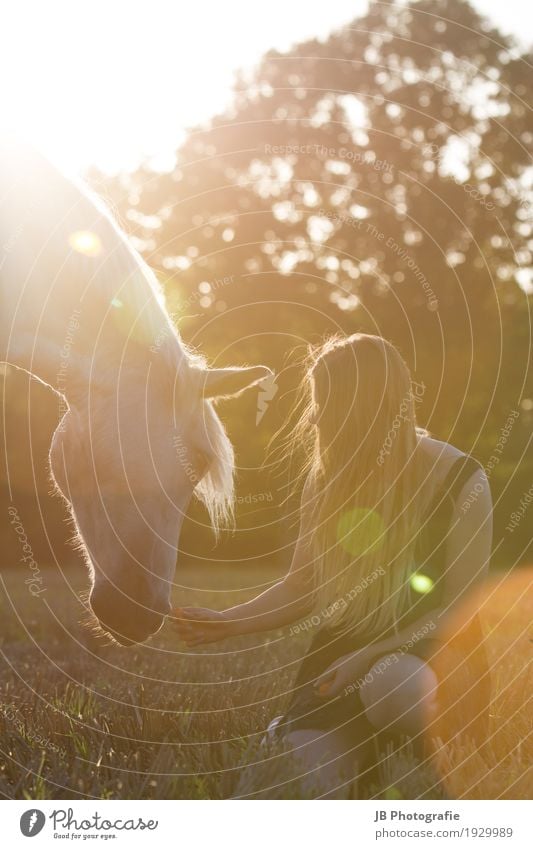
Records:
x=360, y=531
x=393, y=792
x=85, y=242
x=421, y=583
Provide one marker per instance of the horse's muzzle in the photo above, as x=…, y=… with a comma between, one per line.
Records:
x=128, y=615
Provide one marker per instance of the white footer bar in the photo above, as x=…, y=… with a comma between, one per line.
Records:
x=268, y=824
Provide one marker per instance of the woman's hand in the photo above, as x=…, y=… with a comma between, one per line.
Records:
x=346, y=671
x=198, y=625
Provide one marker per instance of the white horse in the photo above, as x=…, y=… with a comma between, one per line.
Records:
x=82, y=312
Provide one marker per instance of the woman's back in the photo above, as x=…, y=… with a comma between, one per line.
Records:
x=427, y=582
x=470, y=679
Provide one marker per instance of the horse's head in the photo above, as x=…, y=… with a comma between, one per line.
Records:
x=83, y=312
x=128, y=460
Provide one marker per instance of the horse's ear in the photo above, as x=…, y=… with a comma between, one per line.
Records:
x=227, y=382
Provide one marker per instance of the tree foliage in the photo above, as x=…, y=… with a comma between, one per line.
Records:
x=377, y=180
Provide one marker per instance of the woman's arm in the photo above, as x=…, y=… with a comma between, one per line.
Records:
x=281, y=604
x=468, y=548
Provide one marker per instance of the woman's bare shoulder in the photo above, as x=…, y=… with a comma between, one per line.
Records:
x=440, y=457
x=442, y=454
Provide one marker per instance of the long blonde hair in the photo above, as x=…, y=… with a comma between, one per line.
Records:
x=362, y=471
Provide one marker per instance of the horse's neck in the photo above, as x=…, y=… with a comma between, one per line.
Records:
x=31, y=329
x=56, y=299
x=37, y=299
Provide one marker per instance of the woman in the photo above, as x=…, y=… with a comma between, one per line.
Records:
x=384, y=560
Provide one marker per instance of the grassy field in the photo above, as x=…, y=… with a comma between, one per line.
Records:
x=80, y=719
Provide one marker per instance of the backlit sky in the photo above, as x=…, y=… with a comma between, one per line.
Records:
x=108, y=81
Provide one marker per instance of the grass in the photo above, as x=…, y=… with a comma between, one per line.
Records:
x=81, y=719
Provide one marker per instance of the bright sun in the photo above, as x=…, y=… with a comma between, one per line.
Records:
x=109, y=81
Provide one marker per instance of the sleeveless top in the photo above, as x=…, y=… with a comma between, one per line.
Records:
x=430, y=549
x=426, y=593
x=464, y=681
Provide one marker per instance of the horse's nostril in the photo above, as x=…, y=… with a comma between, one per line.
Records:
x=127, y=620
x=121, y=639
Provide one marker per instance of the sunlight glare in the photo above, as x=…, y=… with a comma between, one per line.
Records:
x=111, y=83
x=421, y=583
x=85, y=242
x=360, y=531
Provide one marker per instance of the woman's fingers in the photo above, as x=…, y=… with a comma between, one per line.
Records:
x=197, y=640
x=191, y=632
x=182, y=626
x=189, y=614
x=191, y=643
x=197, y=625
x=194, y=613
x=324, y=684
x=199, y=614
x=328, y=675
x=189, y=636
x=188, y=619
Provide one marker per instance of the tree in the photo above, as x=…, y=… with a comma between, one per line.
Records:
x=377, y=180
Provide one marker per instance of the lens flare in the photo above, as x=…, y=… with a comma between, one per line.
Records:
x=484, y=701
x=85, y=242
x=421, y=583
x=360, y=531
